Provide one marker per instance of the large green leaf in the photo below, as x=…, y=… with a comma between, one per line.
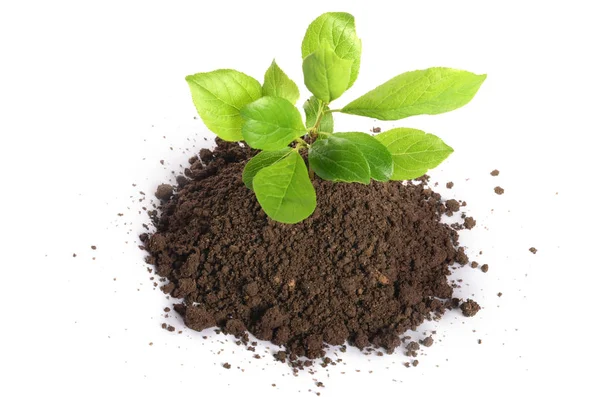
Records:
x=326, y=75
x=271, y=123
x=285, y=191
x=278, y=84
x=338, y=31
x=429, y=91
x=414, y=152
x=377, y=155
x=311, y=109
x=260, y=161
x=219, y=95
x=338, y=159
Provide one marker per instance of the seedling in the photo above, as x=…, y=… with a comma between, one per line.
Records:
x=237, y=108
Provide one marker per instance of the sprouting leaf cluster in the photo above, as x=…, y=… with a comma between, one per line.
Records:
x=237, y=107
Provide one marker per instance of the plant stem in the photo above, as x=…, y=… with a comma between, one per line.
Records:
x=301, y=143
x=333, y=110
x=315, y=128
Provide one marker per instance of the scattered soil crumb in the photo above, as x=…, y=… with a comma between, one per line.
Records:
x=452, y=205
x=479, y=341
x=93, y=247
x=427, y=342
x=469, y=308
x=498, y=190
x=485, y=268
x=533, y=250
x=495, y=173
x=227, y=366
x=499, y=294
x=376, y=129
x=164, y=192
x=74, y=255
x=450, y=185
x=415, y=363
x=470, y=222
x=474, y=264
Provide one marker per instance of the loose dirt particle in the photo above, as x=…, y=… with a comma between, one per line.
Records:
x=470, y=222
x=495, y=173
x=412, y=346
x=93, y=247
x=533, y=250
x=474, y=265
x=485, y=268
x=452, y=205
x=470, y=308
x=74, y=255
x=164, y=192
x=415, y=363
x=427, y=342
x=499, y=294
x=226, y=365
x=449, y=185
x=376, y=129
x=358, y=283
x=498, y=190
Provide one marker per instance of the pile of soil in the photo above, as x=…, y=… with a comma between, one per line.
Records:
x=371, y=263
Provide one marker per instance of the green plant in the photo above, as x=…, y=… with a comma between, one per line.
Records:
x=236, y=107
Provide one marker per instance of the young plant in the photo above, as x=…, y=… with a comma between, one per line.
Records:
x=237, y=108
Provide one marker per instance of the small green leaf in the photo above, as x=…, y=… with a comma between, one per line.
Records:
x=219, y=95
x=260, y=161
x=413, y=151
x=429, y=91
x=311, y=108
x=278, y=84
x=325, y=74
x=271, y=123
x=337, y=159
x=338, y=31
x=377, y=155
x=284, y=190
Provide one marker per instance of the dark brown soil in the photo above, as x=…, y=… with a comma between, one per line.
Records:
x=371, y=263
x=498, y=190
x=495, y=173
x=470, y=308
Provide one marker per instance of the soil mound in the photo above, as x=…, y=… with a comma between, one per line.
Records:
x=369, y=264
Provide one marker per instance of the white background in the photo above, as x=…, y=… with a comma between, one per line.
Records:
x=92, y=96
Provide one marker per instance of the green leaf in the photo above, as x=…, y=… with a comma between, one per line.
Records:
x=326, y=75
x=219, y=95
x=260, y=161
x=271, y=123
x=338, y=159
x=278, y=84
x=284, y=190
x=413, y=151
x=311, y=108
x=429, y=91
x=377, y=155
x=338, y=31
